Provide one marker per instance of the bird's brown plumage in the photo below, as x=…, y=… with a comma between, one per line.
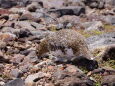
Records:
x=66, y=38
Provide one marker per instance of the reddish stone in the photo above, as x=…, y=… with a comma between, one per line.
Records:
x=4, y=11
x=7, y=36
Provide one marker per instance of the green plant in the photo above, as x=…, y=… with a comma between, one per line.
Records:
x=98, y=84
x=109, y=63
x=90, y=33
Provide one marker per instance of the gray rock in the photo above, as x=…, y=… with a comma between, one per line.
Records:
x=60, y=26
x=100, y=4
x=37, y=25
x=1, y=66
x=113, y=2
x=110, y=19
x=7, y=3
x=18, y=10
x=47, y=62
x=39, y=13
x=16, y=82
x=18, y=58
x=26, y=17
x=73, y=3
x=13, y=17
x=101, y=40
x=8, y=29
x=24, y=33
x=69, y=11
x=108, y=80
x=31, y=79
x=94, y=25
x=11, y=3
x=31, y=17
x=33, y=6
x=23, y=2
x=26, y=66
x=3, y=45
x=33, y=56
x=25, y=24
x=110, y=2
x=52, y=3
x=71, y=76
x=16, y=73
x=41, y=34
x=94, y=5
x=4, y=60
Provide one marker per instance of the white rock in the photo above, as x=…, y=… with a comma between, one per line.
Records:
x=94, y=25
x=1, y=83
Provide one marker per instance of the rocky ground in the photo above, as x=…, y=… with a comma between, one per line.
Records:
x=23, y=23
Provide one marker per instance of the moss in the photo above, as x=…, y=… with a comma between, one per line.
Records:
x=86, y=35
x=90, y=33
x=106, y=28
x=98, y=77
x=4, y=76
x=83, y=69
x=98, y=84
x=52, y=28
x=109, y=63
x=109, y=27
x=96, y=32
